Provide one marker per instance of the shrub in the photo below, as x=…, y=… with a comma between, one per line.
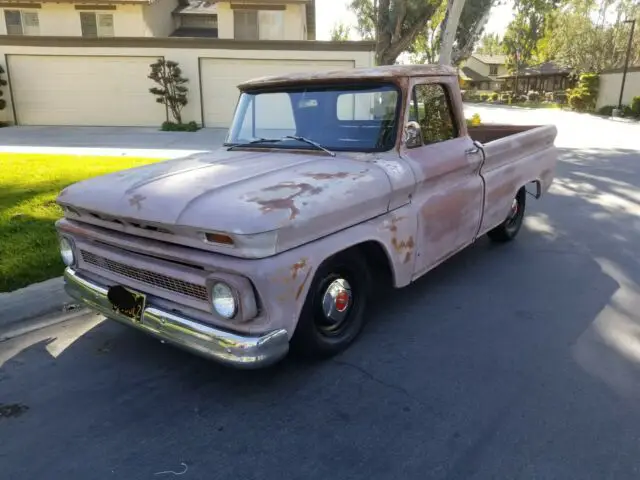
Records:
x=180, y=127
x=171, y=90
x=505, y=97
x=533, y=96
x=584, y=96
x=474, y=121
x=560, y=96
x=607, y=110
x=494, y=97
x=635, y=106
x=485, y=96
x=549, y=97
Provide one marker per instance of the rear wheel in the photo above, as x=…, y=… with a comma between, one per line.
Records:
x=508, y=230
x=333, y=312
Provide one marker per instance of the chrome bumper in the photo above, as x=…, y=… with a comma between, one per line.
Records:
x=225, y=347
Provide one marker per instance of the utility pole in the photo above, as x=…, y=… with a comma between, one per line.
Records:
x=454, y=10
x=626, y=62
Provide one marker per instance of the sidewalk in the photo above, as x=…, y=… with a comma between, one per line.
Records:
x=109, y=141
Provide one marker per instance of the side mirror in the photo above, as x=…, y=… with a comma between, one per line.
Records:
x=412, y=135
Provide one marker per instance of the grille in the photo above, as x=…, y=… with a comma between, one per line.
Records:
x=145, y=276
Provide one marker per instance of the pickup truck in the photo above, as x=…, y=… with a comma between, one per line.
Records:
x=330, y=186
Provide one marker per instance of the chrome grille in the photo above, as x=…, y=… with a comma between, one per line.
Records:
x=145, y=276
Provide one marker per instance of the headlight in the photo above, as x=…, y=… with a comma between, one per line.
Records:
x=223, y=300
x=66, y=252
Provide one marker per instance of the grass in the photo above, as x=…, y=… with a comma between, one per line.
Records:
x=29, y=185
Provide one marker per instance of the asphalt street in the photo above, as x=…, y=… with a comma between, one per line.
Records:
x=513, y=361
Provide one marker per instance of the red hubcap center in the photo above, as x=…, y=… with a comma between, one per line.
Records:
x=342, y=301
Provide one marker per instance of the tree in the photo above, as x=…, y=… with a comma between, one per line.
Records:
x=393, y=24
x=340, y=32
x=526, y=30
x=578, y=36
x=490, y=44
x=472, y=22
x=426, y=46
x=172, y=91
x=3, y=83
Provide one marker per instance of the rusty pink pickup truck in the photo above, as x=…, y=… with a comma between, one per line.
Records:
x=328, y=185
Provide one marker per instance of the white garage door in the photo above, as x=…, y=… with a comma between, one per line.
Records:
x=220, y=77
x=100, y=91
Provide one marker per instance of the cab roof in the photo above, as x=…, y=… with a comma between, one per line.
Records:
x=376, y=73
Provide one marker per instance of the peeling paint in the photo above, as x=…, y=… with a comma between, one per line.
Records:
x=295, y=269
x=286, y=203
x=136, y=201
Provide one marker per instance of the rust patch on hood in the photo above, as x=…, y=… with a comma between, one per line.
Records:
x=336, y=175
x=404, y=246
x=288, y=202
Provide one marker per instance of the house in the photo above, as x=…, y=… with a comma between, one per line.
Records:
x=482, y=72
x=237, y=19
x=545, y=77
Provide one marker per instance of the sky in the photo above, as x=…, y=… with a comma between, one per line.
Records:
x=330, y=12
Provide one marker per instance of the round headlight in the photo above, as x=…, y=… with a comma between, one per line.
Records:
x=66, y=252
x=223, y=300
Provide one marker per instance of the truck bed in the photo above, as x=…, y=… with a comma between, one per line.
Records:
x=490, y=132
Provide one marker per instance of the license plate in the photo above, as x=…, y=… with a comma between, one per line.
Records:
x=127, y=302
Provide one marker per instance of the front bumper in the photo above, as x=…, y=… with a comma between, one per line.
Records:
x=225, y=347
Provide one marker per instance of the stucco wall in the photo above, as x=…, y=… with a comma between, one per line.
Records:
x=187, y=52
x=64, y=20
x=610, y=83
x=478, y=66
x=294, y=21
x=158, y=19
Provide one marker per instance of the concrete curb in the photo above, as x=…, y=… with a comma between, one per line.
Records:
x=36, y=306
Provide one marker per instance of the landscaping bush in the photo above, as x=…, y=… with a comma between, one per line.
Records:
x=533, y=96
x=560, y=96
x=171, y=91
x=485, y=96
x=180, y=127
x=505, y=97
x=583, y=97
x=635, y=106
x=474, y=121
x=494, y=96
x=607, y=110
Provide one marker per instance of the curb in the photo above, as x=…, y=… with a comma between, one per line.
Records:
x=14, y=330
x=35, y=306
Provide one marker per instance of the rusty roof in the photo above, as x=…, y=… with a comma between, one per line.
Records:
x=374, y=73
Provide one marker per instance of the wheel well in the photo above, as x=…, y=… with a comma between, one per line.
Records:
x=378, y=260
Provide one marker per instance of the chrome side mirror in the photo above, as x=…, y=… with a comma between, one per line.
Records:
x=412, y=135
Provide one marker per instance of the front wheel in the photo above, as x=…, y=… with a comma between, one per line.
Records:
x=333, y=312
x=508, y=229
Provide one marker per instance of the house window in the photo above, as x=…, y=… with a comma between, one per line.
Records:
x=258, y=25
x=209, y=22
x=493, y=70
x=22, y=23
x=96, y=24
x=433, y=111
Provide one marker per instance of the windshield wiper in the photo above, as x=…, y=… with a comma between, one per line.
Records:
x=310, y=142
x=254, y=142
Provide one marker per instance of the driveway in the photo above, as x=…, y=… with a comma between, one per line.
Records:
x=513, y=361
x=131, y=141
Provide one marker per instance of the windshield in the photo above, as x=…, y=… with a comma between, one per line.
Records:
x=356, y=118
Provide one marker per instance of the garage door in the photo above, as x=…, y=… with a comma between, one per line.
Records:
x=220, y=77
x=100, y=91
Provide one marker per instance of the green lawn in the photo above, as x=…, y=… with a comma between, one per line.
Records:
x=29, y=185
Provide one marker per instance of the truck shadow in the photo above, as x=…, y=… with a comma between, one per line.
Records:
x=462, y=364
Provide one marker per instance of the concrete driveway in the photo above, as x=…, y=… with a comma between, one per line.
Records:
x=131, y=141
x=514, y=361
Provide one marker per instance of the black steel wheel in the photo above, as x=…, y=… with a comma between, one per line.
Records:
x=333, y=312
x=508, y=230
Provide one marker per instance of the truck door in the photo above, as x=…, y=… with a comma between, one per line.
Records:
x=449, y=191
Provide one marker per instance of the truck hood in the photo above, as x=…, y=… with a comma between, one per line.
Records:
x=302, y=196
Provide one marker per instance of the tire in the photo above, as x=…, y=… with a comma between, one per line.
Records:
x=508, y=230
x=344, y=279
